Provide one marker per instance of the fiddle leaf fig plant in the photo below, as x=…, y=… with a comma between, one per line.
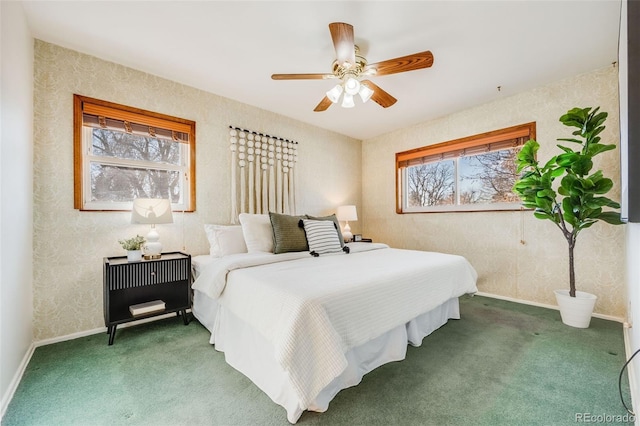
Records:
x=578, y=201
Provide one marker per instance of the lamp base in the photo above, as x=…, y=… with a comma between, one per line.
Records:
x=152, y=249
x=346, y=233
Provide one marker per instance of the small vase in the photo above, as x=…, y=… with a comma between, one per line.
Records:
x=134, y=255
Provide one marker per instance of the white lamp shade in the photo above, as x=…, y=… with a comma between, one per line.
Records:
x=334, y=94
x=151, y=211
x=365, y=93
x=351, y=86
x=347, y=101
x=346, y=213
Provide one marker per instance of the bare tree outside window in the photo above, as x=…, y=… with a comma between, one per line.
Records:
x=118, y=183
x=489, y=177
x=431, y=184
x=112, y=143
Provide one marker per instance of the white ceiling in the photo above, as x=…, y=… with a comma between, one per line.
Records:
x=232, y=48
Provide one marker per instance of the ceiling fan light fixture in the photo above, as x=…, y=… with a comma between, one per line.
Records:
x=351, y=86
x=347, y=101
x=353, y=70
x=365, y=93
x=334, y=94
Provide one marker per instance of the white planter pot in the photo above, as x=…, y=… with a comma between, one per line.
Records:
x=134, y=255
x=575, y=311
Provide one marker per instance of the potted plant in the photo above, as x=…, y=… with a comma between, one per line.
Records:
x=133, y=247
x=576, y=203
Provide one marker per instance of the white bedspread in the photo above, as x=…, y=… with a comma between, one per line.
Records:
x=314, y=309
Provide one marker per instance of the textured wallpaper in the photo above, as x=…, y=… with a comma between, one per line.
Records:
x=69, y=245
x=491, y=240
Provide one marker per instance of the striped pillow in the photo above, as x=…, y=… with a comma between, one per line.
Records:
x=322, y=236
x=334, y=219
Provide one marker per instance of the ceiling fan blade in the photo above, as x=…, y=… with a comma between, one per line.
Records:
x=323, y=105
x=342, y=36
x=302, y=76
x=416, y=61
x=382, y=98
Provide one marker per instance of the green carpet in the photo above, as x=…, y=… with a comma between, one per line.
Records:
x=503, y=363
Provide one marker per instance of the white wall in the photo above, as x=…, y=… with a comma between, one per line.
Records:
x=16, y=196
x=633, y=290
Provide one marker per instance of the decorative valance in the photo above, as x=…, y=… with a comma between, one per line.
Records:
x=262, y=173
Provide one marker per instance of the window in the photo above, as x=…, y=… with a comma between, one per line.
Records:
x=122, y=153
x=473, y=173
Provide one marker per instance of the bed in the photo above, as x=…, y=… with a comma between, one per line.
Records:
x=302, y=327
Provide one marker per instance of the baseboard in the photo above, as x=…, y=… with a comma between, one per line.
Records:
x=79, y=334
x=52, y=340
x=17, y=377
x=544, y=305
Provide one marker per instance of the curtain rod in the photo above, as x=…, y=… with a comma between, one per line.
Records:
x=261, y=134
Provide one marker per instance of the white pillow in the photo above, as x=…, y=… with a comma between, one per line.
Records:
x=257, y=231
x=225, y=239
x=322, y=236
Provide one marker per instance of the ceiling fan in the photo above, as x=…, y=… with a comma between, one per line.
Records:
x=351, y=67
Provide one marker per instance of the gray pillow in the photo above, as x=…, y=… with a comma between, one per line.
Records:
x=288, y=236
x=335, y=220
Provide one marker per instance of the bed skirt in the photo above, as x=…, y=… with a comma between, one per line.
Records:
x=250, y=353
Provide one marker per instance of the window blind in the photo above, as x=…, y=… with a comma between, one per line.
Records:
x=492, y=141
x=105, y=122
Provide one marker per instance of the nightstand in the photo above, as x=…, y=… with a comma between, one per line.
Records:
x=131, y=283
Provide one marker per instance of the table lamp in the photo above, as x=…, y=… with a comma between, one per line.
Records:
x=347, y=213
x=152, y=211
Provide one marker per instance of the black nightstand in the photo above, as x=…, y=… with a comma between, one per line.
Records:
x=131, y=283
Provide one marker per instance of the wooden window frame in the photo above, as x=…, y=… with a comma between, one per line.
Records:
x=82, y=104
x=520, y=133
